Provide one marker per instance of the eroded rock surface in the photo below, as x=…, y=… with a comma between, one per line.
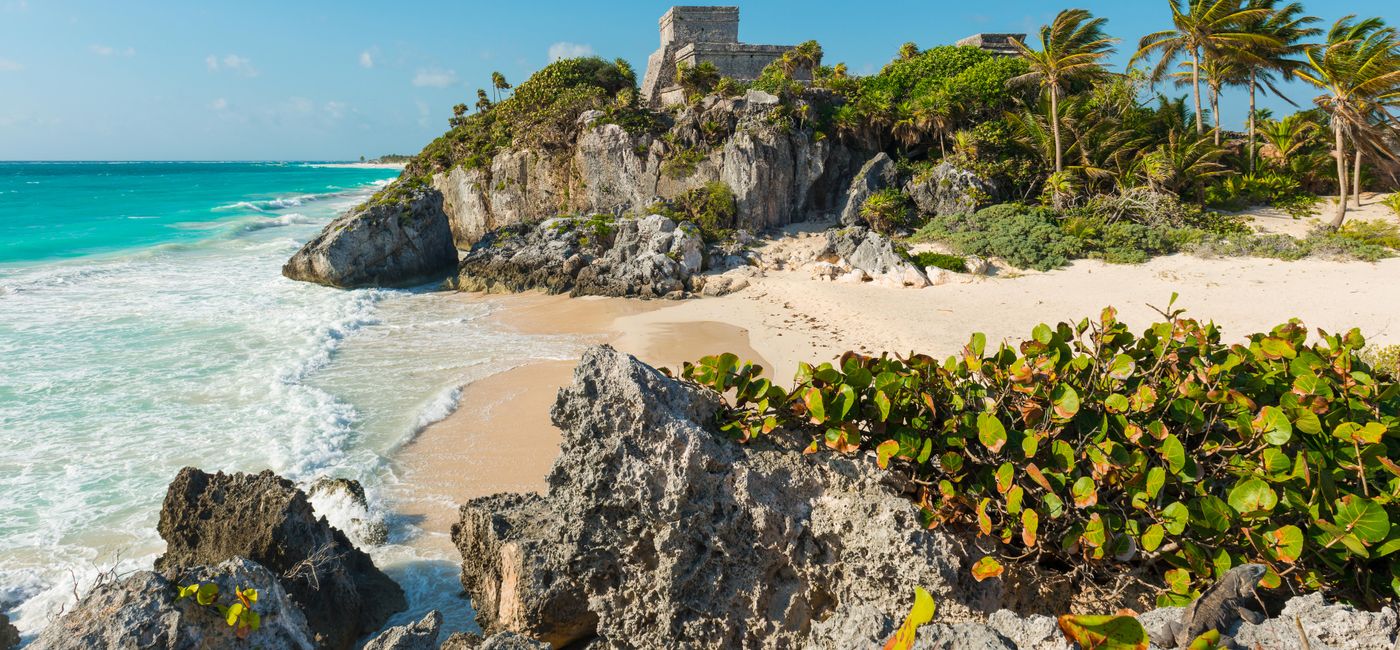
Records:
x=655, y=529
x=876, y=174
x=9, y=634
x=391, y=243
x=209, y=518
x=949, y=189
x=141, y=611
x=419, y=635
x=650, y=257
x=873, y=255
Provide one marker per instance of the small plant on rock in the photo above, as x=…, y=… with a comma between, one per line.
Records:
x=239, y=614
x=887, y=211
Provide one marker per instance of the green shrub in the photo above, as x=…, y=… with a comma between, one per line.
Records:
x=1376, y=233
x=1092, y=447
x=886, y=211
x=944, y=261
x=712, y=207
x=1027, y=238
x=1392, y=202
x=682, y=164
x=1384, y=358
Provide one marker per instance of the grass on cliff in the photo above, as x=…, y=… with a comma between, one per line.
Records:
x=1164, y=457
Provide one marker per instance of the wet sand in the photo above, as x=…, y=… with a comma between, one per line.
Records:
x=500, y=438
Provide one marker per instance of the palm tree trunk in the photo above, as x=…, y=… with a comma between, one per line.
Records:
x=1356, y=178
x=1196, y=89
x=1341, y=175
x=1215, y=111
x=1251, y=121
x=1055, y=127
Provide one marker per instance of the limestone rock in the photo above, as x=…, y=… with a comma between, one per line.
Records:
x=397, y=242
x=1033, y=632
x=342, y=501
x=9, y=635
x=502, y=641
x=877, y=174
x=948, y=189
x=141, y=611
x=869, y=251
x=649, y=257
x=654, y=528
x=976, y=265
x=210, y=518
x=419, y=635
x=465, y=201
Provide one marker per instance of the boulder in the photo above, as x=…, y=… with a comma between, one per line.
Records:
x=9, y=634
x=342, y=501
x=399, y=239
x=948, y=189
x=502, y=641
x=651, y=257
x=209, y=518
x=876, y=174
x=464, y=200
x=419, y=635
x=655, y=528
x=869, y=251
x=142, y=611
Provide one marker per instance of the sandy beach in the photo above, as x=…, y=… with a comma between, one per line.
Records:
x=500, y=438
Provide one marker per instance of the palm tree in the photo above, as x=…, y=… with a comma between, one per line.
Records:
x=1202, y=29
x=499, y=83
x=698, y=80
x=1218, y=72
x=1072, y=47
x=806, y=56
x=1183, y=162
x=1287, y=137
x=1358, y=70
x=1288, y=26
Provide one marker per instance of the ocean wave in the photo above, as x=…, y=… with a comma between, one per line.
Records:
x=289, y=219
x=294, y=201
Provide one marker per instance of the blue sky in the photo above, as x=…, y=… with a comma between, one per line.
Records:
x=140, y=80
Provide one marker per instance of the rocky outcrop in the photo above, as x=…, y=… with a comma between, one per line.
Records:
x=651, y=257
x=865, y=255
x=344, y=504
x=142, y=611
x=778, y=174
x=876, y=174
x=948, y=189
x=9, y=634
x=397, y=240
x=209, y=518
x=502, y=641
x=654, y=528
x=419, y=635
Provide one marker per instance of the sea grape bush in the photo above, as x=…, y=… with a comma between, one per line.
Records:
x=1170, y=449
x=239, y=614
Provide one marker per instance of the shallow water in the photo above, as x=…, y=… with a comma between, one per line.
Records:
x=145, y=326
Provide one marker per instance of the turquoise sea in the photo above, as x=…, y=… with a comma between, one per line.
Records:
x=145, y=326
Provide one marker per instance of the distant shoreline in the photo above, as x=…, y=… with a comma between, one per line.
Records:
x=361, y=165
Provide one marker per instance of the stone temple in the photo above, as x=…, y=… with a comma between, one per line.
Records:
x=999, y=44
x=694, y=35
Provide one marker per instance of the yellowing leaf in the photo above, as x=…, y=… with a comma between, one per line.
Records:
x=990, y=431
x=920, y=614
x=987, y=567
x=884, y=452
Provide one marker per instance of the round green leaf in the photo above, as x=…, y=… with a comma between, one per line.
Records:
x=1253, y=497
x=990, y=431
x=1364, y=518
x=1065, y=400
x=1284, y=544
x=1274, y=426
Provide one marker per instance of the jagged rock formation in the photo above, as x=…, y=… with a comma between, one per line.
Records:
x=141, y=611
x=9, y=634
x=1328, y=627
x=502, y=641
x=207, y=519
x=778, y=174
x=868, y=256
x=948, y=189
x=876, y=174
x=656, y=529
x=393, y=242
x=651, y=257
x=419, y=635
x=344, y=504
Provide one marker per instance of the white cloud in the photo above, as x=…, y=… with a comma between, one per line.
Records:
x=366, y=59
x=219, y=104
x=7, y=65
x=335, y=110
x=233, y=63
x=567, y=50
x=435, y=78
x=107, y=50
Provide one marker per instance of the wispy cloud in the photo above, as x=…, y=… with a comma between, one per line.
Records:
x=336, y=110
x=434, y=78
x=366, y=59
x=238, y=65
x=219, y=104
x=567, y=50
x=7, y=65
x=107, y=50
